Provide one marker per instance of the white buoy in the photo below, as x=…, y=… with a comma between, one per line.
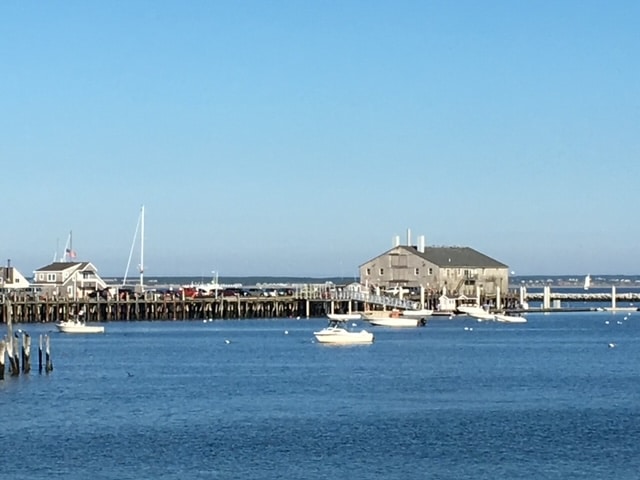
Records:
x=612, y=345
x=227, y=341
x=286, y=332
x=607, y=322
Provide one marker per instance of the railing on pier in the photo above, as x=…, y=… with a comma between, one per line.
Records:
x=365, y=297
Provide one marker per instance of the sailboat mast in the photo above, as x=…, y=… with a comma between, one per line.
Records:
x=142, y=249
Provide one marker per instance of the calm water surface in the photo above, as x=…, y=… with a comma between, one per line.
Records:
x=454, y=400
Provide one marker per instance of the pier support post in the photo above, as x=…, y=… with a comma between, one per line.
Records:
x=26, y=352
x=613, y=297
x=14, y=363
x=308, y=307
x=3, y=348
x=546, y=300
x=498, y=299
x=40, y=354
x=48, y=363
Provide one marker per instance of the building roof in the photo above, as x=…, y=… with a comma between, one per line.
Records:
x=456, y=257
x=61, y=266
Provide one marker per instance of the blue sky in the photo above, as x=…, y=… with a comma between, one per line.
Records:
x=299, y=137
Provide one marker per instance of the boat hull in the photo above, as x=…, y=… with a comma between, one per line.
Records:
x=72, y=327
x=400, y=322
x=417, y=313
x=478, y=313
x=509, y=318
x=343, y=317
x=340, y=336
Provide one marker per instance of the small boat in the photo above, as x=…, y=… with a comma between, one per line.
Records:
x=419, y=313
x=344, y=317
x=506, y=318
x=76, y=325
x=393, y=319
x=336, y=334
x=476, y=312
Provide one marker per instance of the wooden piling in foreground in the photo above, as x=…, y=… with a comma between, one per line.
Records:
x=26, y=352
x=40, y=354
x=14, y=369
x=48, y=363
x=2, y=354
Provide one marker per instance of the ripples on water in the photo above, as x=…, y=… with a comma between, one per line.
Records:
x=173, y=400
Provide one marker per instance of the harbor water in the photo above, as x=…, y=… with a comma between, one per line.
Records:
x=555, y=398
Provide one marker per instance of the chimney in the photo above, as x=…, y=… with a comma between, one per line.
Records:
x=408, y=237
x=8, y=272
x=421, y=244
x=396, y=241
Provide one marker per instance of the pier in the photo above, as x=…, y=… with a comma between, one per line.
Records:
x=303, y=303
x=152, y=306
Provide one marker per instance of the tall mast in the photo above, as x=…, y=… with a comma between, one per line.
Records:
x=142, y=249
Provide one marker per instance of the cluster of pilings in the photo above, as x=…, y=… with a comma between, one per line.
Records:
x=17, y=348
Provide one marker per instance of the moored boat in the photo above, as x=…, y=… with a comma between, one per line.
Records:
x=419, y=313
x=336, y=334
x=344, y=317
x=392, y=319
x=506, y=318
x=476, y=312
x=76, y=325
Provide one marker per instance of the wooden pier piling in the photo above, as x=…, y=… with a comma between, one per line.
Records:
x=3, y=349
x=48, y=363
x=26, y=352
x=40, y=354
x=14, y=362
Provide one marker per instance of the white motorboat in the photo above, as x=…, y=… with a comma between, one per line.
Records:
x=336, y=334
x=392, y=319
x=476, y=312
x=503, y=317
x=344, y=317
x=419, y=313
x=78, y=326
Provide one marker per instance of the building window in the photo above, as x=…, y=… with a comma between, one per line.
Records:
x=382, y=271
x=51, y=277
x=417, y=271
x=431, y=271
x=368, y=272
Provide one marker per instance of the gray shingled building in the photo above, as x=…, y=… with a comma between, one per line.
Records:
x=454, y=270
